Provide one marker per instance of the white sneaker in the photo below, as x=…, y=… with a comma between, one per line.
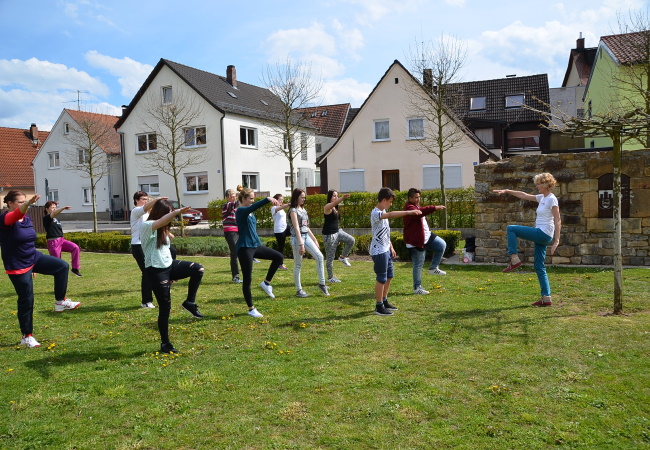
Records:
x=255, y=313
x=148, y=305
x=333, y=280
x=300, y=293
x=65, y=304
x=345, y=261
x=256, y=261
x=268, y=289
x=29, y=341
x=437, y=271
x=420, y=291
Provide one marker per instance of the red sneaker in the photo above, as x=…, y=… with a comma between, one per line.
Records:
x=512, y=267
x=541, y=302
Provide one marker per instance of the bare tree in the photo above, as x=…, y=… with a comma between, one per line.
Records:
x=177, y=133
x=440, y=63
x=293, y=88
x=92, y=138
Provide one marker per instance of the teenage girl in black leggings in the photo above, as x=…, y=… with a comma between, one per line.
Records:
x=249, y=246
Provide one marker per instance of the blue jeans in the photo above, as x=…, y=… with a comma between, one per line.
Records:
x=541, y=240
x=438, y=245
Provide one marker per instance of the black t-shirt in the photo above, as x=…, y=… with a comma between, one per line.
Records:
x=331, y=222
x=52, y=227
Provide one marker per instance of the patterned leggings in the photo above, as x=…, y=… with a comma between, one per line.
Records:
x=331, y=242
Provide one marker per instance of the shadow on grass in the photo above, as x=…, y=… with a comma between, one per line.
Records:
x=44, y=365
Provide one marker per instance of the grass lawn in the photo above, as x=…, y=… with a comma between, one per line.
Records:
x=471, y=365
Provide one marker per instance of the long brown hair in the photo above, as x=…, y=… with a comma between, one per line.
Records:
x=295, y=195
x=161, y=208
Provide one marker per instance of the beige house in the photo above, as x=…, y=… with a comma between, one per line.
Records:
x=380, y=146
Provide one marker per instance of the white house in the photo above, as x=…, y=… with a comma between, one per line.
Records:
x=59, y=172
x=380, y=147
x=229, y=133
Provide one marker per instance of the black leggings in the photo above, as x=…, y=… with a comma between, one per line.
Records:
x=246, y=255
x=231, y=239
x=281, y=238
x=160, y=283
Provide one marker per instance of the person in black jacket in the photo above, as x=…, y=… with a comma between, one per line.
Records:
x=56, y=243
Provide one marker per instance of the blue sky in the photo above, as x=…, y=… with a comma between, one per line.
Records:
x=50, y=49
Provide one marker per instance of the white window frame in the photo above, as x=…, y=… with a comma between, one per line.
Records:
x=149, y=184
x=83, y=157
x=195, y=132
x=66, y=128
x=148, y=142
x=86, y=196
x=455, y=181
x=374, y=130
x=287, y=180
x=247, y=137
x=53, y=195
x=408, y=129
x=482, y=131
x=348, y=183
x=512, y=101
x=164, y=98
x=57, y=160
x=196, y=176
x=317, y=180
x=478, y=103
x=251, y=176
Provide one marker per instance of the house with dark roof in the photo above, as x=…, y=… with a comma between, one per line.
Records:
x=60, y=166
x=494, y=110
x=231, y=132
x=619, y=82
x=17, y=150
x=382, y=144
x=567, y=100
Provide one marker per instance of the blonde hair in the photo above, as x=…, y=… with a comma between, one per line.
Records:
x=243, y=193
x=545, y=179
x=229, y=192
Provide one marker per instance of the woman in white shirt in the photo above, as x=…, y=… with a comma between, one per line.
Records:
x=545, y=232
x=280, y=229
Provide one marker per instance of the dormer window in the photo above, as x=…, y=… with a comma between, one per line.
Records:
x=232, y=95
x=515, y=101
x=477, y=103
x=323, y=114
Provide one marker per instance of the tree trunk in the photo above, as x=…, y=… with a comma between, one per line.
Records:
x=178, y=196
x=92, y=193
x=618, y=257
x=443, y=194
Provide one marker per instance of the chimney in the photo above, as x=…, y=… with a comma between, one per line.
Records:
x=231, y=76
x=427, y=79
x=33, y=131
x=580, y=42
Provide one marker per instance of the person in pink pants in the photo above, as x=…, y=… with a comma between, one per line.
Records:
x=56, y=243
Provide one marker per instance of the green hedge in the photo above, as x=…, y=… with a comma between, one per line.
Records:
x=355, y=211
x=115, y=242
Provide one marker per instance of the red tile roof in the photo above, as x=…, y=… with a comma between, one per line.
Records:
x=629, y=48
x=17, y=151
x=328, y=120
x=113, y=143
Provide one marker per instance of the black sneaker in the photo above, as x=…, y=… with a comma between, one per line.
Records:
x=380, y=310
x=390, y=307
x=193, y=309
x=76, y=272
x=167, y=348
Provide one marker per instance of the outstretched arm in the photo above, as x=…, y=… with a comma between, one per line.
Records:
x=328, y=207
x=395, y=214
x=518, y=194
x=55, y=213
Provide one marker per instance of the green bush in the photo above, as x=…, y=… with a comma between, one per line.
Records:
x=355, y=211
x=203, y=245
x=109, y=241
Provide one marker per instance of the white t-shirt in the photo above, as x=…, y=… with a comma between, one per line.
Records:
x=279, y=219
x=380, y=232
x=138, y=216
x=544, y=219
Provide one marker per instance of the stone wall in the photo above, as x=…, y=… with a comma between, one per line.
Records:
x=585, y=238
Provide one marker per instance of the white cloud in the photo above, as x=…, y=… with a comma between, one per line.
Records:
x=301, y=41
x=346, y=90
x=131, y=74
x=350, y=40
x=455, y=2
x=44, y=76
x=375, y=10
